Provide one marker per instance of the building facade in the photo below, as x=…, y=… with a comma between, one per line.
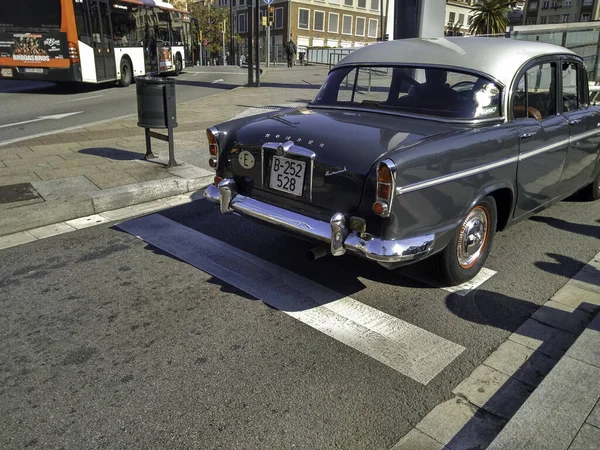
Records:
x=541, y=12
x=458, y=13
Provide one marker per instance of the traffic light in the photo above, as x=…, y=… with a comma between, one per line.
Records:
x=271, y=16
x=386, y=37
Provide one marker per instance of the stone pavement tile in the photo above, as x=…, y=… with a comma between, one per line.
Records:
x=135, y=210
x=460, y=425
x=86, y=222
x=7, y=171
x=415, y=440
x=561, y=316
x=577, y=298
x=555, y=411
x=594, y=417
x=53, y=174
x=76, y=160
x=586, y=279
x=51, y=230
x=520, y=362
x=33, y=160
x=65, y=189
x=114, y=165
x=187, y=171
x=594, y=265
x=62, y=147
x=2, y=165
x=50, y=139
x=110, y=179
x=547, y=340
x=19, y=178
x=12, y=240
x=588, y=438
x=493, y=391
x=148, y=173
x=587, y=347
x=12, y=152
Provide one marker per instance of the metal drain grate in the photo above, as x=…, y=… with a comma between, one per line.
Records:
x=18, y=193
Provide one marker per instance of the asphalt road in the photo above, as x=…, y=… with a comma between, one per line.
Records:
x=108, y=342
x=27, y=105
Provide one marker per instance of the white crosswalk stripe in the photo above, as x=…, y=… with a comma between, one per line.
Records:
x=408, y=349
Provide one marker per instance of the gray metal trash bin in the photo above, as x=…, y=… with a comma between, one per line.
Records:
x=156, y=102
x=157, y=109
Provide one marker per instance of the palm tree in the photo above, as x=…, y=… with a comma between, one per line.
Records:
x=490, y=16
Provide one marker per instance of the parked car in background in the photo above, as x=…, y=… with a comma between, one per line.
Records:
x=417, y=148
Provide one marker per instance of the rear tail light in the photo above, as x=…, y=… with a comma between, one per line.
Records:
x=73, y=52
x=386, y=185
x=213, y=147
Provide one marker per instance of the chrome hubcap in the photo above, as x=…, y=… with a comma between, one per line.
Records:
x=472, y=237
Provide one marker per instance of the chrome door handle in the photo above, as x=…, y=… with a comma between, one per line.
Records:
x=574, y=121
x=527, y=135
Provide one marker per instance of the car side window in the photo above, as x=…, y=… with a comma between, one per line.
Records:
x=535, y=95
x=572, y=96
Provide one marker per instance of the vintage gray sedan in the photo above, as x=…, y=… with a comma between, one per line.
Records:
x=417, y=148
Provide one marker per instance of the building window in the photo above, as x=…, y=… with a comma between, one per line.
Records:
x=278, y=18
x=303, y=18
x=333, y=23
x=543, y=19
x=322, y=1
x=223, y=2
x=375, y=5
x=546, y=5
x=319, y=21
x=588, y=2
x=372, y=28
x=362, y=4
x=348, y=2
x=565, y=18
x=567, y=3
x=242, y=23
x=461, y=19
x=533, y=6
x=531, y=21
x=585, y=17
x=360, y=26
x=242, y=2
x=347, y=24
x=334, y=2
x=451, y=16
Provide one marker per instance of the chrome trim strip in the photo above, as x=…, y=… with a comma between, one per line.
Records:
x=382, y=251
x=289, y=148
x=544, y=149
x=455, y=176
x=584, y=135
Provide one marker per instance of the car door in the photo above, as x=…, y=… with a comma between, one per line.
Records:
x=543, y=135
x=583, y=128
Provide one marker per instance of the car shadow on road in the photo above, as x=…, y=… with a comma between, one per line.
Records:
x=585, y=230
x=542, y=339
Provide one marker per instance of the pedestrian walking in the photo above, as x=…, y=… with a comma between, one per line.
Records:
x=290, y=51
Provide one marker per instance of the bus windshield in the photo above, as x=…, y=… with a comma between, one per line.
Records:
x=30, y=14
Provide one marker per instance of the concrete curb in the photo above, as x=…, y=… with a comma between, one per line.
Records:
x=22, y=218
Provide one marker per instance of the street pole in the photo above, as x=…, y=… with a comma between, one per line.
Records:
x=257, y=43
x=381, y=19
x=231, y=39
x=224, y=57
x=250, y=35
x=268, y=43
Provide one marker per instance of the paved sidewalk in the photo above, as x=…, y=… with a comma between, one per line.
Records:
x=100, y=167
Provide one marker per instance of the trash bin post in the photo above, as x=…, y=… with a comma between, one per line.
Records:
x=157, y=109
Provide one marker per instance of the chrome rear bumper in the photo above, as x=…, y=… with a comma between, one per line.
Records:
x=335, y=232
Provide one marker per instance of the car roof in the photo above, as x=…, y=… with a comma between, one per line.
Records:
x=500, y=58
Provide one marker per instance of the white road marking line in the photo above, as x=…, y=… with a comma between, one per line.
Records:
x=406, y=348
x=40, y=118
x=81, y=99
x=462, y=289
x=217, y=81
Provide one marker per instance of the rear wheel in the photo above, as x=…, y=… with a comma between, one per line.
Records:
x=126, y=73
x=465, y=255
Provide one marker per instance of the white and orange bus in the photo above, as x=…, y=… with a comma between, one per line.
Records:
x=91, y=41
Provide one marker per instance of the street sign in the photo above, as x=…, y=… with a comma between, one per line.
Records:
x=268, y=2
x=204, y=42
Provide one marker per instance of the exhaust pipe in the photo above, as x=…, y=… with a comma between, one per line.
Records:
x=317, y=252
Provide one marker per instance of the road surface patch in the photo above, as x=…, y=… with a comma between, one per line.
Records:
x=406, y=348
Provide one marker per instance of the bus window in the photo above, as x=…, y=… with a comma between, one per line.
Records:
x=162, y=28
x=124, y=26
x=177, y=28
x=83, y=26
x=28, y=14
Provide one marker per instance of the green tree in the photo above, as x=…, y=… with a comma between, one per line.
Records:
x=489, y=16
x=210, y=21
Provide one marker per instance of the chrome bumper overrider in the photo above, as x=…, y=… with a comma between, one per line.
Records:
x=334, y=232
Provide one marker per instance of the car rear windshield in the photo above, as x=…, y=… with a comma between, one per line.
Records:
x=30, y=14
x=434, y=92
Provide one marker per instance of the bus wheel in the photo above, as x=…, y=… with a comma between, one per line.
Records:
x=126, y=74
x=178, y=64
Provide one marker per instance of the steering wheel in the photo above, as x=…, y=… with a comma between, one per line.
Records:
x=531, y=112
x=463, y=86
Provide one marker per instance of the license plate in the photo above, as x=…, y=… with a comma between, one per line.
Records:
x=33, y=70
x=6, y=73
x=287, y=175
